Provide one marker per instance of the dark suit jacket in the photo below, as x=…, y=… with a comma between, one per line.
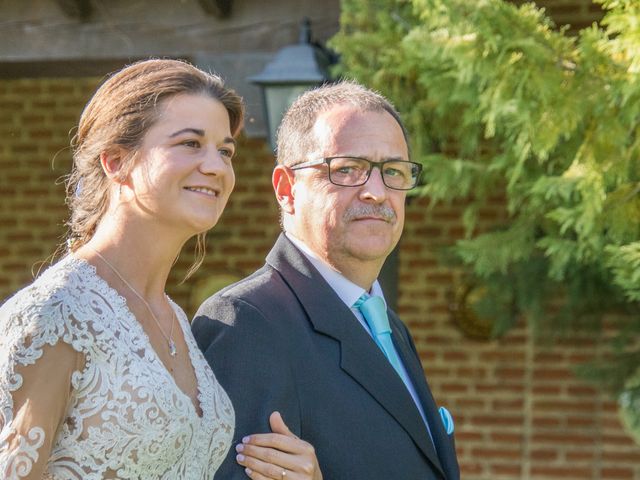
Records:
x=282, y=340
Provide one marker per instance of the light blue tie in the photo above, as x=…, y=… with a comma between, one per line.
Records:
x=374, y=312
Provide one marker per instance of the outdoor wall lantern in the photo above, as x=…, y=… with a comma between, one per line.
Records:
x=294, y=69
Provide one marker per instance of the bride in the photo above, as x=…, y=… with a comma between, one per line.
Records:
x=100, y=377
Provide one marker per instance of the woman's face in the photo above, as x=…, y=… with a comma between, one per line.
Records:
x=182, y=175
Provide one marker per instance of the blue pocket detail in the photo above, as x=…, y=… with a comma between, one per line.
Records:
x=447, y=420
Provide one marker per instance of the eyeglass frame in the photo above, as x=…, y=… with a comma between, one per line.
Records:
x=372, y=165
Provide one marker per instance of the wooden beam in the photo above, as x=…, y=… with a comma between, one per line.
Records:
x=172, y=28
x=76, y=9
x=217, y=8
x=63, y=68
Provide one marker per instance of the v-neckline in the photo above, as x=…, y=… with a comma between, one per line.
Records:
x=135, y=324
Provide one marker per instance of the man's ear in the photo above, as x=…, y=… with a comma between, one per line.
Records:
x=282, y=180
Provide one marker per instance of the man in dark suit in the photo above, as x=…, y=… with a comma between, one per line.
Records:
x=309, y=334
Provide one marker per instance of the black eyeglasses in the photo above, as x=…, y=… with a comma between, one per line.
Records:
x=355, y=171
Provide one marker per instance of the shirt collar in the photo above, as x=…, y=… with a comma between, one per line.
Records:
x=348, y=291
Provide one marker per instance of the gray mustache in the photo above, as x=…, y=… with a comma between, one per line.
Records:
x=382, y=211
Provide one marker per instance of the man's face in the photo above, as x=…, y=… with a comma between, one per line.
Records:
x=350, y=226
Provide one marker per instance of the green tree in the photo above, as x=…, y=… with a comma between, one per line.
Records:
x=498, y=100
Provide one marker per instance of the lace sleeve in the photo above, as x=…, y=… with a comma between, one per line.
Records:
x=35, y=387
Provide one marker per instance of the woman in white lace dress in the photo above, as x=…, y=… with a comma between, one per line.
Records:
x=99, y=374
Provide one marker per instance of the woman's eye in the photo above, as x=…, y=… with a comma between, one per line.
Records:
x=225, y=152
x=191, y=143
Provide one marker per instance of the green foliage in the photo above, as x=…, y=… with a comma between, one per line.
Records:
x=500, y=104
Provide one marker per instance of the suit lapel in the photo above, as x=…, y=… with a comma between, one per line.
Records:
x=359, y=354
x=444, y=443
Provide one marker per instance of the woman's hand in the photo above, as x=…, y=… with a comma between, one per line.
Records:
x=279, y=455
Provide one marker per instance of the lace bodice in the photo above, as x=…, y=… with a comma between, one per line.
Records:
x=124, y=416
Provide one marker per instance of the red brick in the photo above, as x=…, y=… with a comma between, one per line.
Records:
x=546, y=390
x=470, y=403
x=511, y=438
x=468, y=437
x=565, y=406
x=495, y=420
x=494, y=453
x=24, y=148
x=584, y=456
x=571, y=471
x=563, y=439
x=233, y=249
x=27, y=89
x=620, y=440
x=502, y=356
x=581, y=390
x=510, y=373
x=618, y=473
x=589, y=421
x=452, y=388
x=617, y=456
x=544, y=455
x=469, y=468
x=552, y=374
x=429, y=231
x=546, y=422
x=507, y=404
x=40, y=134
x=515, y=471
x=30, y=119
x=499, y=388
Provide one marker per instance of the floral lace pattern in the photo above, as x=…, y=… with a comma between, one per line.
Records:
x=126, y=418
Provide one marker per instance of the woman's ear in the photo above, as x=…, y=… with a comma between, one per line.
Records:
x=112, y=162
x=283, y=180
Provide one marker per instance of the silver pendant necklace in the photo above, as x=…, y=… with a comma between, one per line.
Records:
x=172, y=345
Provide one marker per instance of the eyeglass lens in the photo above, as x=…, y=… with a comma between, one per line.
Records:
x=349, y=171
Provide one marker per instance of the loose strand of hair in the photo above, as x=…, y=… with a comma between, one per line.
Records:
x=200, y=253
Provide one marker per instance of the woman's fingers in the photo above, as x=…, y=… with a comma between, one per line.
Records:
x=258, y=476
x=271, y=462
x=269, y=456
x=257, y=469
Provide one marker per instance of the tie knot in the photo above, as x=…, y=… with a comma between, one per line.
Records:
x=363, y=298
x=374, y=312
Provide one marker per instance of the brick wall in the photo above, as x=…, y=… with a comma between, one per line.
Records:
x=520, y=412
x=35, y=119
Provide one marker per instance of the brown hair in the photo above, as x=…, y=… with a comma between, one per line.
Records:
x=295, y=139
x=119, y=114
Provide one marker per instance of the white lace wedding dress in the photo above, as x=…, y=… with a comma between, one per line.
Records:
x=124, y=416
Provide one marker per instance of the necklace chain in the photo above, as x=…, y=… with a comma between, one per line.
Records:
x=172, y=345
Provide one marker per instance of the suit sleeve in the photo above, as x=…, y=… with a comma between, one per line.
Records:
x=245, y=349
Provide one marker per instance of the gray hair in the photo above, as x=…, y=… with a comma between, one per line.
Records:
x=295, y=139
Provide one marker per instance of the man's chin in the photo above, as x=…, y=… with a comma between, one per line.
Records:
x=371, y=250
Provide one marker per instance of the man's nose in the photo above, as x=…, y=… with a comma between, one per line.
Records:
x=375, y=189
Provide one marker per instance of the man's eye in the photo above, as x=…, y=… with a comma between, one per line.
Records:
x=393, y=172
x=191, y=143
